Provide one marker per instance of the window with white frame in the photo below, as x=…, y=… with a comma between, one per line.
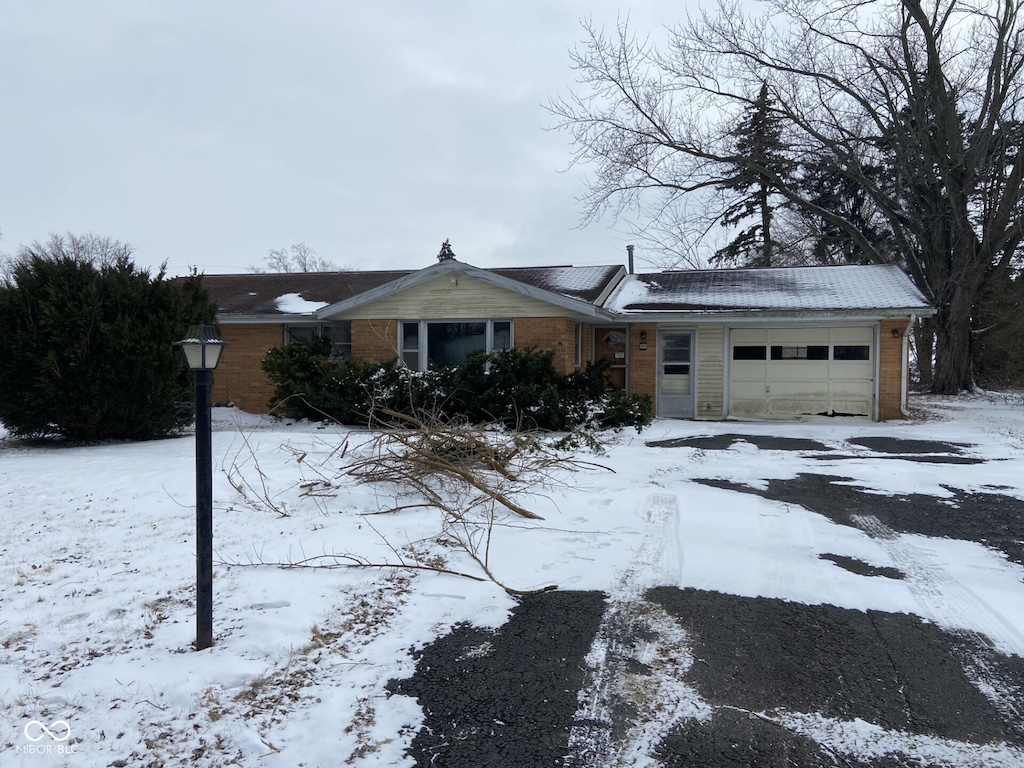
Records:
x=338, y=334
x=423, y=343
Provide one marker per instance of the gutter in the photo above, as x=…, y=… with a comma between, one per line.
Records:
x=905, y=363
x=275, y=319
x=760, y=315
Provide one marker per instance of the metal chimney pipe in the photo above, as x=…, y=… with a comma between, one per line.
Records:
x=629, y=256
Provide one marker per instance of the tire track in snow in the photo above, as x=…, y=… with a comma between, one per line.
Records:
x=638, y=659
x=942, y=598
x=950, y=604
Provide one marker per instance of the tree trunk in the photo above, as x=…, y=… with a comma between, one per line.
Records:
x=924, y=347
x=766, y=226
x=953, y=372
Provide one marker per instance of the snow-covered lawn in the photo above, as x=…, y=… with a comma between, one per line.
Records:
x=97, y=568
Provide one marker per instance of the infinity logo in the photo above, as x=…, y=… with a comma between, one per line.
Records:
x=45, y=731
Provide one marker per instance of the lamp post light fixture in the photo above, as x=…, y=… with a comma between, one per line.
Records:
x=202, y=347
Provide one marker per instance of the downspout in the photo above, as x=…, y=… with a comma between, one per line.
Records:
x=906, y=367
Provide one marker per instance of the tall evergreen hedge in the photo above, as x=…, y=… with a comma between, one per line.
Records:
x=86, y=349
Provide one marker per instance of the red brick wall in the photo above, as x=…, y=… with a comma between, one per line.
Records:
x=239, y=378
x=891, y=370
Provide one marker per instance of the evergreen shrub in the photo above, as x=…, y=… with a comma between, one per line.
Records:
x=87, y=351
x=519, y=388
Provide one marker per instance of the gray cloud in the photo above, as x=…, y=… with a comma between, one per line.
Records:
x=208, y=133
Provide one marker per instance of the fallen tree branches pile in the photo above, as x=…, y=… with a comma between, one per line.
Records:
x=475, y=476
x=470, y=473
x=458, y=467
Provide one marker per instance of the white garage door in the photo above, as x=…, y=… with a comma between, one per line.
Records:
x=778, y=372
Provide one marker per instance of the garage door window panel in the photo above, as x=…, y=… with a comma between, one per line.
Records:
x=749, y=352
x=810, y=352
x=851, y=352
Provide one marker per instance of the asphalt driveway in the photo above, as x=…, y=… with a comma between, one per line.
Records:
x=718, y=680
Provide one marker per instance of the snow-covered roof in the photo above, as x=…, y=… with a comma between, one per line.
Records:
x=604, y=289
x=796, y=289
x=298, y=293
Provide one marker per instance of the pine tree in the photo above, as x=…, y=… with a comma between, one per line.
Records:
x=758, y=139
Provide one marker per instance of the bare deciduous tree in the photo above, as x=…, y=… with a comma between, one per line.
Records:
x=917, y=104
x=299, y=257
x=88, y=248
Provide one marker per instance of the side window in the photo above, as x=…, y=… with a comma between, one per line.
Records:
x=501, y=336
x=409, y=348
x=295, y=333
x=340, y=336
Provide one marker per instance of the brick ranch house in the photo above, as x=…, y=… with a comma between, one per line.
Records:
x=704, y=344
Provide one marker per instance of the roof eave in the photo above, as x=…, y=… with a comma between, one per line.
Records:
x=264, y=319
x=760, y=315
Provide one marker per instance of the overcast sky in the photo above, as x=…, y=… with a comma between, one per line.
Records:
x=206, y=133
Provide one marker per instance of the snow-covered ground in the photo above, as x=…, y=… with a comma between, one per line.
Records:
x=97, y=564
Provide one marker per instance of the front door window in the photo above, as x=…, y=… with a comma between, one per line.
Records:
x=611, y=344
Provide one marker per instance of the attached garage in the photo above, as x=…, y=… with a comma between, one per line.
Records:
x=785, y=372
x=772, y=343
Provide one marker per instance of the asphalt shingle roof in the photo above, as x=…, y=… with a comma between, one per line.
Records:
x=840, y=288
x=258, y=294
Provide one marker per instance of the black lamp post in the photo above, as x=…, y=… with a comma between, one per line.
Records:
x=202, y=348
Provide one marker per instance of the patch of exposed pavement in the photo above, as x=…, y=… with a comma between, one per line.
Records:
x=859, y=567
x=723, y=442
x=990, y=518
x=927, y=451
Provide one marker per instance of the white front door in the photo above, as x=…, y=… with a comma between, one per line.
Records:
x=675, y=374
